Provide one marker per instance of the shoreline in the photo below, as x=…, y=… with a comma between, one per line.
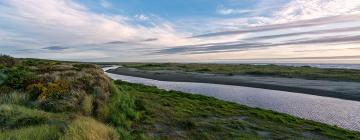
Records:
x=272, y=83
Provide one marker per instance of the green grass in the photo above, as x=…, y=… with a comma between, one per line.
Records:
x=19, y=123
x=84, y=128
x=123, y=113
x=258, y=70
x=51, y=100
x=41, y=132
x=177, y=115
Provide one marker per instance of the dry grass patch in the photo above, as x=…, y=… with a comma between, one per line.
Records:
x=85, y=128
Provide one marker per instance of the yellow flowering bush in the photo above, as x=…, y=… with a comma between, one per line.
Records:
x=44, y=91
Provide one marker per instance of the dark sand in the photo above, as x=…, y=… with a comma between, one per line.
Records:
x=337, y=89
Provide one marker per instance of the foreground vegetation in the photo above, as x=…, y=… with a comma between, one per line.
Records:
x=51, y=100
x=257, y=70
x=177, y=115
x=43, y=99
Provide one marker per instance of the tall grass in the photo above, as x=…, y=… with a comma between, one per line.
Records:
x=14, y=98
x=40, y=132
x=123, y=113
x=84, y=128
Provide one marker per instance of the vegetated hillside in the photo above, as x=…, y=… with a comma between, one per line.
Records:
x=42, y=99
x=257, y=70
x=178, y=115
x=51, y=100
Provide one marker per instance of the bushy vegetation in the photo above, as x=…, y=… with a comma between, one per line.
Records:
x=44, y=99
x=177, y=115
x=51, y=100
x=258, y=70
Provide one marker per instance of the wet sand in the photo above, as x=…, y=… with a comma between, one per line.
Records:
x=337, y=89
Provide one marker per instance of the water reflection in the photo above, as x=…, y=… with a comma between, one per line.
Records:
x=343, y=113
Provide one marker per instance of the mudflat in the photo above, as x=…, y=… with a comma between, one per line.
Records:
x=338, y=89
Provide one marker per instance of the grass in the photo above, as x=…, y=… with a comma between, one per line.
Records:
x=13, y=97
x=84, y=128
x=177, y=115
x=123, y=113
x=19, y=122
x=257, y=70
x=51, y=100
x=41, y=132
x=44, y=99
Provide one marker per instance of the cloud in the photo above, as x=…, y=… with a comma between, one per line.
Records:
x=294, y=24
x=141, y=17
x=309, y=9
x=87, y=33
x=105, y=4
x=316, y=32
x=32, y=24
x=244, y=46
x=294, y=14
x=230, y=11
x=56, y=48
x=150, y=39
x=299, y=58
x=131, y=42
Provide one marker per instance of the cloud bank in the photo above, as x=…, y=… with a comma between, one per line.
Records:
x=69, y=29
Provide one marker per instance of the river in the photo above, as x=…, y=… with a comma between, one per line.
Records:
x=333, y=111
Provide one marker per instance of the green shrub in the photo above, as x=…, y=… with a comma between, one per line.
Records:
x=81, y=66
x=7, y=61
x=18, y=78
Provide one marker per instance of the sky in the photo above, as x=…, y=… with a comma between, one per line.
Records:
x=230, y=31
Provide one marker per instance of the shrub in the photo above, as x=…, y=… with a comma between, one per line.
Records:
x=7, y=61
x=82, y=66
x=18, y=78
x=36, y=90
x=51, y=90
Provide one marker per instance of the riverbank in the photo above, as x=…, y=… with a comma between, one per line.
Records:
x=45, y=99
x=177, y=115
x=338, y=89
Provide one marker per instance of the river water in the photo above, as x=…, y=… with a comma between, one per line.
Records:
x=333, y=111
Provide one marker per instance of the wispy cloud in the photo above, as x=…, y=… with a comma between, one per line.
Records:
x=56, y=48
x=315, y=32
x=230, y=11
x=105, y=4
x=141, y=17
x=109, y=32
x=295, y=24
x=243, y=45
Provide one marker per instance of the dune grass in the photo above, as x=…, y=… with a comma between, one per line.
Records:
x=84, y=128
x=41, y=132
x=19, y=123
x=51, y=100
x=257, y=70
x=177, y=115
